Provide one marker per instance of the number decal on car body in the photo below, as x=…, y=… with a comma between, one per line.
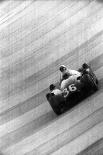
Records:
x=72, y=87
x=65, y=92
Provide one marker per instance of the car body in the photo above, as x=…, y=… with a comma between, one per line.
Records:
x=74, y=92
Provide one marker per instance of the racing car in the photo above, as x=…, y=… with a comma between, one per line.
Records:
x=73, y=93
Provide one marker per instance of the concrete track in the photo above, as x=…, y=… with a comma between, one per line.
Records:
x=35, y=38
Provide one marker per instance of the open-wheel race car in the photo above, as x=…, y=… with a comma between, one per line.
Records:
x=74, y=92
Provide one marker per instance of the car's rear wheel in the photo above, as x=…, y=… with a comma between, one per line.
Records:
x=95, y=78
x=93, y=83
x=89, y=82
x=97, y=81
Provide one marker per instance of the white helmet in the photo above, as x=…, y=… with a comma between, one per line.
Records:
x=62, y=68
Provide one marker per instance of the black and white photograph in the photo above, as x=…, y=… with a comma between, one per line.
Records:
x=51, y=77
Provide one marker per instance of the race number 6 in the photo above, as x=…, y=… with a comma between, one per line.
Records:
x=72, y=87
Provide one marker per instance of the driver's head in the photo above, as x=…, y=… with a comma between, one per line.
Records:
x=62, y=68
x=52, y=87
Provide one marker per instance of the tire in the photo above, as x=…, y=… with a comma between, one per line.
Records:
x=57, y=103
x=93, y=83
x=89, y=82
x=97, y=81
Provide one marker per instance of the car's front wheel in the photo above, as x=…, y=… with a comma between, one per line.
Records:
x=57, y=103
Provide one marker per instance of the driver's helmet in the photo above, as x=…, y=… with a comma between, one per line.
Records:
x=62, y=68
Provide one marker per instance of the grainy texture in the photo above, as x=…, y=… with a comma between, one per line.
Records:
x=36, y=36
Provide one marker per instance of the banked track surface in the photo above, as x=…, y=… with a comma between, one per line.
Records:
x=35, y=38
